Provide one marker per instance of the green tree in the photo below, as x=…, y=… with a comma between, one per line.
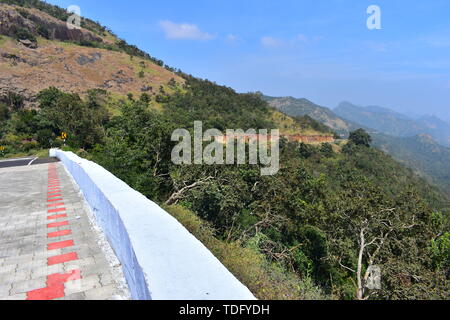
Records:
x=4, y=112
x=360, y=137
x=83, y=121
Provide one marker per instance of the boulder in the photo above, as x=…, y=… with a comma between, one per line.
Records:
x=28, y=43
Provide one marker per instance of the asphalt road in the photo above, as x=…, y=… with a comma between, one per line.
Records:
x=20, y=162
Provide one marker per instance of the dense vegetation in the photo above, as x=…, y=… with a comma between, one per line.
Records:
x=422, y=153
x=311, y=231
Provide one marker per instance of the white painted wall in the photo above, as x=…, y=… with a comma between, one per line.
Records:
x=161, y=260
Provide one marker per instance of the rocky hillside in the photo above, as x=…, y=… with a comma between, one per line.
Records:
x=38, y=51
x=16, y=21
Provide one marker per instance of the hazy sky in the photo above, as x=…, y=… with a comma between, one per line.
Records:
x=321, y=50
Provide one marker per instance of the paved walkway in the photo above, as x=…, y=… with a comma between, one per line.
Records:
x=48, y=248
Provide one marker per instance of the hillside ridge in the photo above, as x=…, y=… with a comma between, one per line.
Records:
x=30, y=62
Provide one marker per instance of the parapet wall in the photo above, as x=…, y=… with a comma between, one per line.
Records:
x=161, y=260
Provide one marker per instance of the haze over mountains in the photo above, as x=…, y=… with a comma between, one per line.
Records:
x=420, y=144
x=394, y=123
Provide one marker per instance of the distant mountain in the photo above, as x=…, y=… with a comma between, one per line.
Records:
x=419, y=151
x=395, y=124
x=301, y=107
x=437, y=128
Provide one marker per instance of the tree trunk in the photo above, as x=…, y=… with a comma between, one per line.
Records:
x=360, y=290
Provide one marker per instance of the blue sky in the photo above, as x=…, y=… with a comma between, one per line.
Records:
x=321, y=50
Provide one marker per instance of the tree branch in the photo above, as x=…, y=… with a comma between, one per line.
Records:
x=176, y=196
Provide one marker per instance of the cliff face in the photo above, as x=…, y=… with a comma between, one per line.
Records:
x=308, y=139
x=13, y=18
x=311, y=139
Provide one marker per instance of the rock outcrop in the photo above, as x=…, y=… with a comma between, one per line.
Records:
x=15, y=19
x=308, y=139
x=311, y=139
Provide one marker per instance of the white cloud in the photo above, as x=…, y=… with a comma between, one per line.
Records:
x=302, y=38
x=231, y=37
x=271, y=42
x=183, y=31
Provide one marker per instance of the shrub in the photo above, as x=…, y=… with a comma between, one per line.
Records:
x=4, y=112
x=43, y=31
x=46, y=138
x=14, y=101
x=266, y=280
x=20, y=33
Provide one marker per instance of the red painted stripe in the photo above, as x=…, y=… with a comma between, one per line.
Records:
x=57, y=216
x=55, y=286
x=59, y=233
x=56, y=210
x=55, y=282
x=61, y=278
x=62, y=258
x=60, y=245
x=55, y=204
x=48, y=293
x=58, y=224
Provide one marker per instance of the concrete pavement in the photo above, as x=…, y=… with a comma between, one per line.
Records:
x=48, y=246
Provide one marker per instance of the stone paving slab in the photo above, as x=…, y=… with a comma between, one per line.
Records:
x=48, y=247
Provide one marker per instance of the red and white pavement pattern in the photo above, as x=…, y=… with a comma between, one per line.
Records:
x=52, y=252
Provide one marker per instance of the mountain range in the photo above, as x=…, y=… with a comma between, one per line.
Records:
x=421, y=144
x=395, y=124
